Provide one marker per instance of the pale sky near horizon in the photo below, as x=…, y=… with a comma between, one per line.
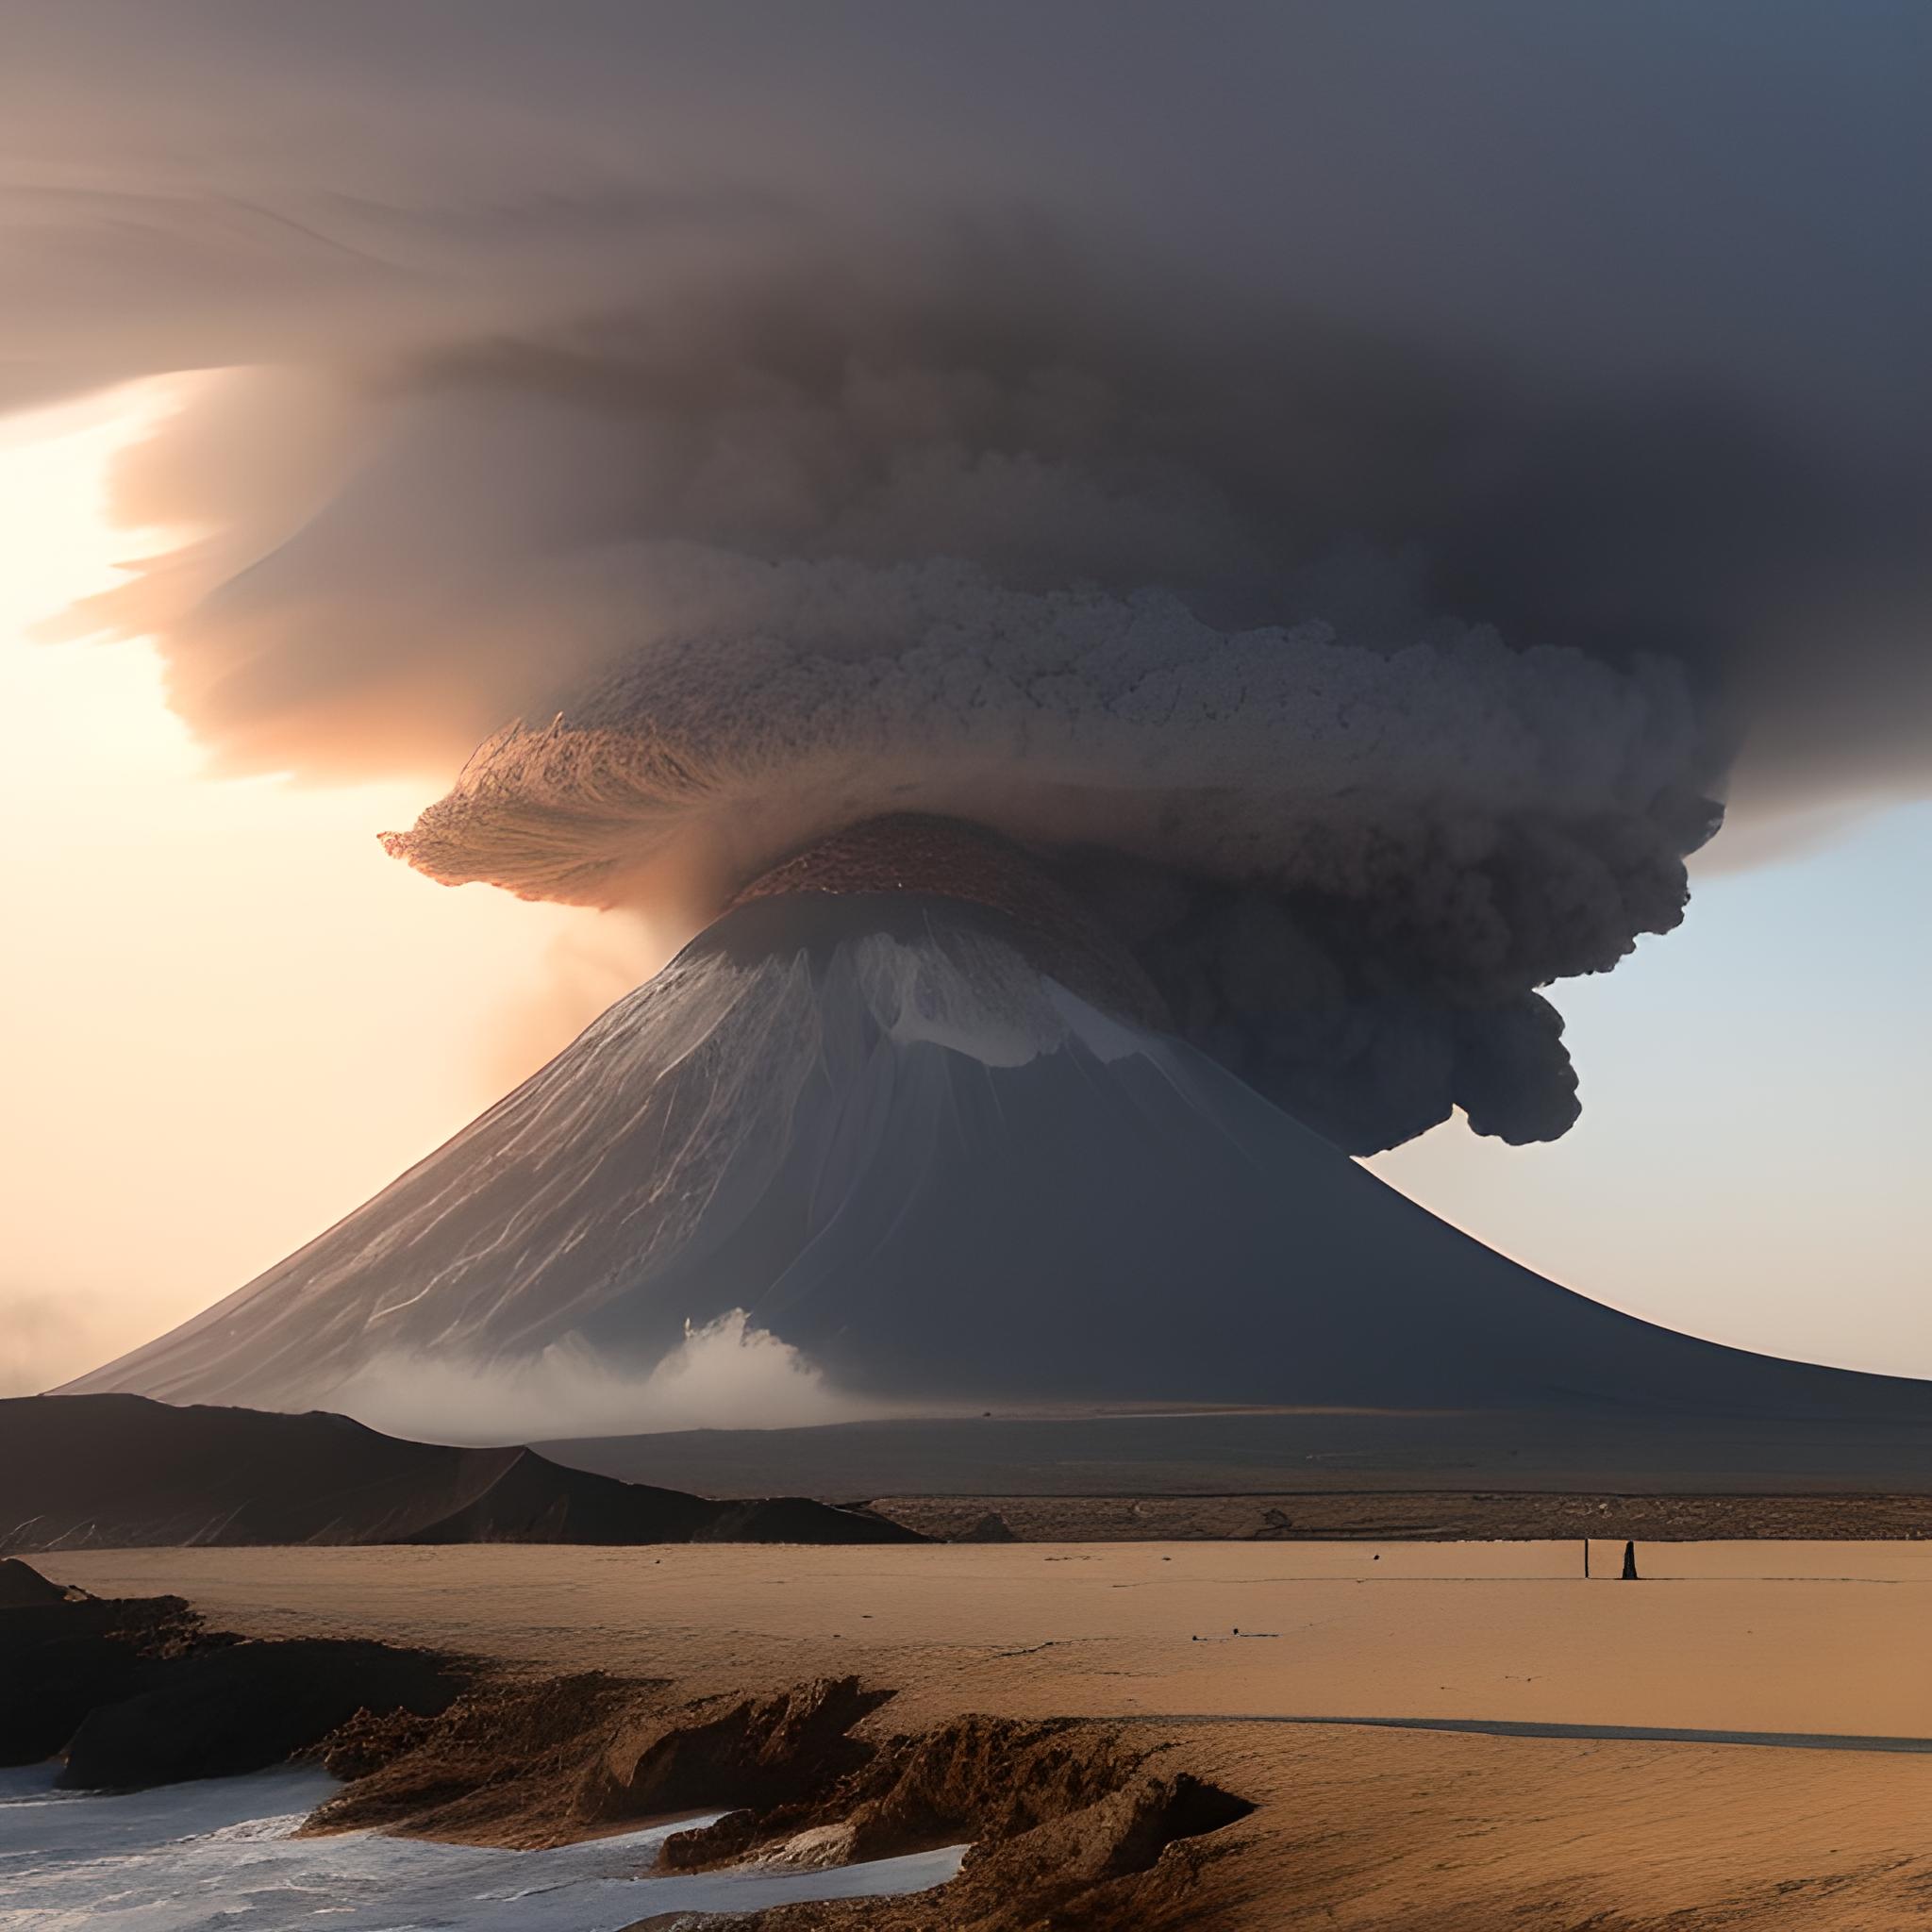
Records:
x=229, y=1019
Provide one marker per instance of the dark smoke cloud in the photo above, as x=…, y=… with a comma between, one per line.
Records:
x=1345, y=864
x=1346, y=484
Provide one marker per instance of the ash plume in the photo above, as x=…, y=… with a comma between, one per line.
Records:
x=1348, y=494
x=1344, y=868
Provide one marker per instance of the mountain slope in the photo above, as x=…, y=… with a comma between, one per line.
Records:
x=875, y=1124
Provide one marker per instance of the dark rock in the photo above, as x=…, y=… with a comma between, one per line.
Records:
x=22, y=1586
x=60, y=1660
x=756, y=1751
x=243, y=1707
x=499, y=1766
x=1080, y=1827
x=992, y=1529
x=796, y=1520
x=372, y=1740
x=1070, y=1825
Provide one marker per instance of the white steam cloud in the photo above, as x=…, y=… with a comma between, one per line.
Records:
x=723, y=1375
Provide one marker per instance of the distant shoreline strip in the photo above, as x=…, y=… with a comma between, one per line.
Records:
x=1512, y=1727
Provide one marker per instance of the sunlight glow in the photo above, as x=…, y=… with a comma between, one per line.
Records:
x=227, y=1016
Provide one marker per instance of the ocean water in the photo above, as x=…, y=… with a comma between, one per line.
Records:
x=223, y=1854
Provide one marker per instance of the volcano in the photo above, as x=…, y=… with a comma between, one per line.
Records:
x=910, y=1108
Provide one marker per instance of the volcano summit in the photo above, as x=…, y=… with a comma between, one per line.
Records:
x=908, y=1109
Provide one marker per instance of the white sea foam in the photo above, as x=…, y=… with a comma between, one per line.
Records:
x=223, y=1853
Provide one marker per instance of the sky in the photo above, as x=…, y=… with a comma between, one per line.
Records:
x=229, y=1019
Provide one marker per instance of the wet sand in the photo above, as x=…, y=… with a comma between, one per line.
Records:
x=1361, y=1824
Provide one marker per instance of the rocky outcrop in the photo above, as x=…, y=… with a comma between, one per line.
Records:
x=755, y=1753
x=63, y=1658
x=501, y=1765
x=1068, y=1822
x=136, y=1691
x=542, y=1763
x=236, y=1707
x=992, y=1529
x=1070, y=1825
x=23, y=1586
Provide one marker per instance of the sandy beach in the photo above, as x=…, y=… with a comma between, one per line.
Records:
x=1755, y=1638
x=1813, y=1651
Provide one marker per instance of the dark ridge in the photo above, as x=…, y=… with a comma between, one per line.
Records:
x=1791, y=1470
x=230, y=1707
x=61, y=1659
x=23, y=1586
x=121, y=1472
x=133, y=1692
